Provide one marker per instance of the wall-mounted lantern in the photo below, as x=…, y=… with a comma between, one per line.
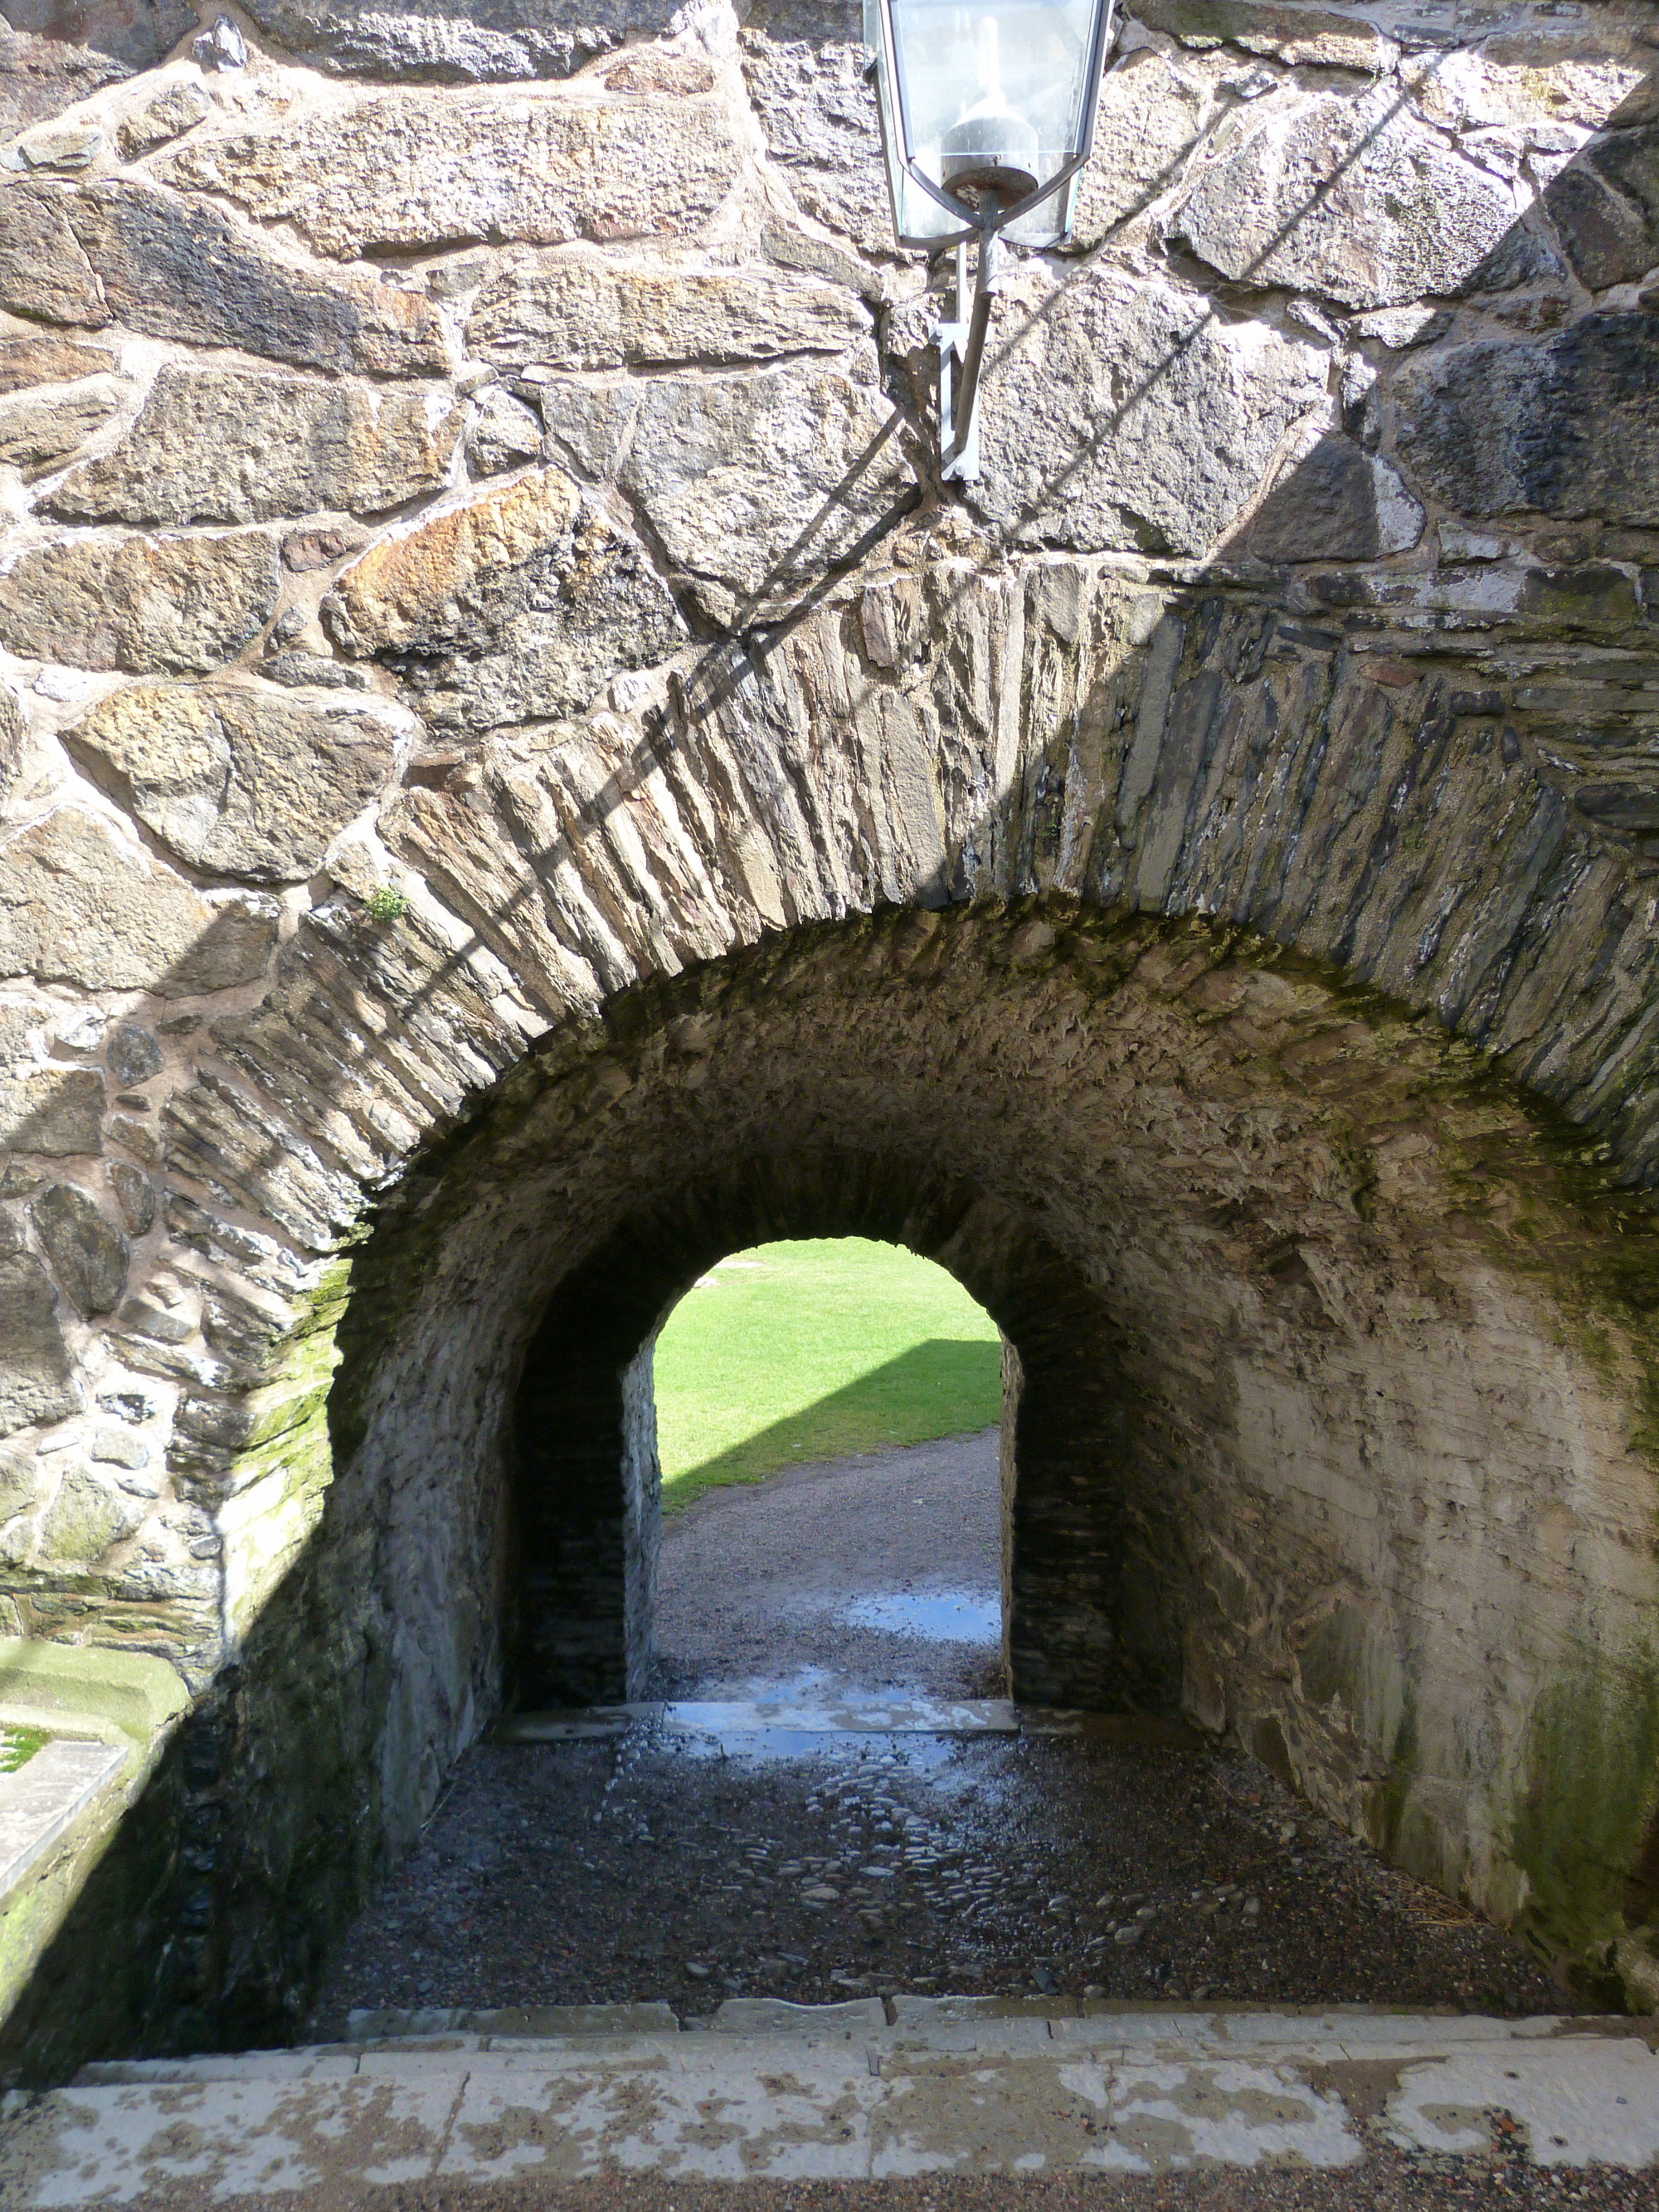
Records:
x=987, y=116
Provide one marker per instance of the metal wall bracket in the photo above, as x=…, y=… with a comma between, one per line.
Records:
x=961, y=345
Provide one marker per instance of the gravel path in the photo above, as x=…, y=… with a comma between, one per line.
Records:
x=684, y=1869
x=755, y=1583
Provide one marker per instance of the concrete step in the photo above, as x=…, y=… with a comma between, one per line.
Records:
x=903, y=2086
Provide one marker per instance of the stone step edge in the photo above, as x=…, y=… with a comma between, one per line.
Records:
x=903, y=2021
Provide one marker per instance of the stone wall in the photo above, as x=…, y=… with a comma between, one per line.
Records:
x=481, y=635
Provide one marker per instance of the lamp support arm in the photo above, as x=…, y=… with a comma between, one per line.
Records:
x=960, y=356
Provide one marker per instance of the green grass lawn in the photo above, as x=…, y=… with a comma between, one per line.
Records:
x=813, y=1349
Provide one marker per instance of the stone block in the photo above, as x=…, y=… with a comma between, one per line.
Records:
x=456, y=41
x=79, y=905
x=150, y=605
x=180, y=108
x=506, y=434
x=38, y=1384
x=89, y=1255
x=225, y=445
x=119, y=1448
x=321, y=546
x=521, y=603
x=755, y=481
x=1128, y=416
x=39, y=432
x=1566, y=426
x=299, y=672
x=1605, y=207
x=66, y=147
x=55, y=1111
x=132, y=1054
x=1151, y=111
x=1350, y=199
x=87, y=1519
x=1313, y=37
x=48, y=359
x=397, y=169
x=580, y=309
x=135, y=1195
x=136, y=34
x=119, y=251
x=11, y=742
x=39, y=78
x=1334, y=503
x=236, y=779
x=19, y=1472
x=806, y=81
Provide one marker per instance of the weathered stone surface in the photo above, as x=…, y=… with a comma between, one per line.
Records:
x=221, y=445
x=517, y=605
x=1350, y=199
x=36, y=1375
x=1315, y=36
x=150, y=605
x=11, y=742
x=235, y=779
x=1569, y=426
x=1605, y=204
x=753, y=481
x=135, y=1195
x=456, y=41
x=65, y=147
x=391, y=170
x=47, y=359
x=37, y=435
x=320, y=547
x=1128, y=416
x=581, y=309
x=1334, y=503
x=40, y=77
x=805, y=74
x=132, y=1054
x=88, y=1256
x=1150, y=113
x=180, y=108
x=138, y=34
x=119, y=1448
x=297, y=670
x=1521, y=84
x=122, y=251
x=86, y=1519
x=57, y=1111
x=79, y=906
x=18, y=1471
x=504, y=436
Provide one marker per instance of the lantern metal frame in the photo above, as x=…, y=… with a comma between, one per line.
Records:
x=961, y=340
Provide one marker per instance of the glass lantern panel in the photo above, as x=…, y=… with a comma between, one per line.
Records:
x=987, y=89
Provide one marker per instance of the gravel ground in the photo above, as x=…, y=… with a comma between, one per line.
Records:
x=661, y=1867
x=1387, y=2182
x=755, y=1581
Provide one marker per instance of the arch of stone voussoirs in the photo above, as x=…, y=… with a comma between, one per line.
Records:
x=1352, y=1428
x=585, y=1511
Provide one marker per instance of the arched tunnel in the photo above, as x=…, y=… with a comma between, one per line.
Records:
x=557, y=789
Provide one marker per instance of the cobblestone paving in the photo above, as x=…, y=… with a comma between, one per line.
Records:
x=659, y=1867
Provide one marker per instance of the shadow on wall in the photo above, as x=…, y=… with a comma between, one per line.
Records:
x=906, y=1401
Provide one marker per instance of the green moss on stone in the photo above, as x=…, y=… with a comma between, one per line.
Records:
x=1584, y=1809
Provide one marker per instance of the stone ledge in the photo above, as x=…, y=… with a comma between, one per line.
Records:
x=42, y=1800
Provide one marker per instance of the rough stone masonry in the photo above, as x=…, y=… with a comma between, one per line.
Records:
x=518, y=779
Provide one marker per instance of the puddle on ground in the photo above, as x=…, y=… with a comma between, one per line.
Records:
x=934, y=1616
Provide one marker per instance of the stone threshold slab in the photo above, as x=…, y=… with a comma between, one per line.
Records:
x=44, y=1796
x=773, y=1717
x=895, y=2092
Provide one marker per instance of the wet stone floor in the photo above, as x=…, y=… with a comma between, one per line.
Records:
x=687, y=1866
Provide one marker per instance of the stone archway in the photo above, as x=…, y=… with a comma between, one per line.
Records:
x=585, y=1512
x=1223, y=846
